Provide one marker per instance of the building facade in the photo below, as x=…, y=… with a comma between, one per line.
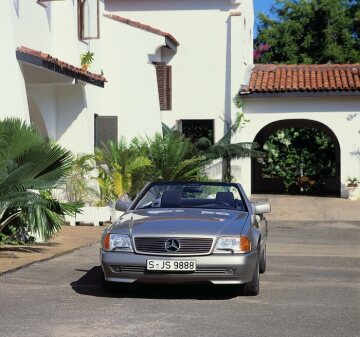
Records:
x=198, y=44
x=324, y=97
x=179, y=62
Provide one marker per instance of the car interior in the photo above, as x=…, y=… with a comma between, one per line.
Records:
x=175, y=199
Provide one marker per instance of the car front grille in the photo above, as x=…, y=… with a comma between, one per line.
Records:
x=188, y=246
x=133, y=269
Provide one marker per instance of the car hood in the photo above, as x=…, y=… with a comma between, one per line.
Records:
x=170, y=222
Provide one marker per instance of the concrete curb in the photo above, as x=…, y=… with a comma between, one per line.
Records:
x=11, y=270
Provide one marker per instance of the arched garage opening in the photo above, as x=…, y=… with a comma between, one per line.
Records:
x=279, y=170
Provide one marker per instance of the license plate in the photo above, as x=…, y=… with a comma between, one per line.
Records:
x=171, y=265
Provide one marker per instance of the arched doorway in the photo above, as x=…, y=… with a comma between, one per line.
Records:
x=264, y=181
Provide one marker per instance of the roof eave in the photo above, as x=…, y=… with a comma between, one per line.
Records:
x=51, y=65
x=170, y=43
x=335, y=93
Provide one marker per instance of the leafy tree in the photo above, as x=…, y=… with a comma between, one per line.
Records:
x=309, y=31
x=354, y=11
x=295, y=152
x=29, y=167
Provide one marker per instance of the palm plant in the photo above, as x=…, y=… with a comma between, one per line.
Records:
x=226, y=150
x=173, y=158
x=30, y=165
x=78, y=188
x=117, y=162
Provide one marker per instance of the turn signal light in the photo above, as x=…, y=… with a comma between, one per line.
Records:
x=106, y=242
x=245, y=244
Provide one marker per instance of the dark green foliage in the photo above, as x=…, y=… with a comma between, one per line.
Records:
x=29, y=166
x=126, y=168
x=173, y=157
x=309, y=31
x=295, y=152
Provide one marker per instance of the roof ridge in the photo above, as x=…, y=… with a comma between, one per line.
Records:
x=142, y=26
x=268, y=78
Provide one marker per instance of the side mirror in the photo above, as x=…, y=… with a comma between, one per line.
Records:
x=261, y=208
x=122, y=206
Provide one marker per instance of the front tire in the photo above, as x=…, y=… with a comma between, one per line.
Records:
x=262, y=261
x=253, y=287
x=107, y=286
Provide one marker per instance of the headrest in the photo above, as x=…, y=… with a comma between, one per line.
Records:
x=226, y=197
x=171, y=199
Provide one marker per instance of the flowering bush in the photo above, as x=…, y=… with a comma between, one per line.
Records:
x=295, y=152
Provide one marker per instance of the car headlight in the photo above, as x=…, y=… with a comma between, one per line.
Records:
x=118, y=242
x=240, y=244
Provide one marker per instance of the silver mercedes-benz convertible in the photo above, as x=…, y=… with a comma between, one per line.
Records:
x=187, y=232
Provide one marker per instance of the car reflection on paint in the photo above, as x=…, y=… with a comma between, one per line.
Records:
x=187, y=232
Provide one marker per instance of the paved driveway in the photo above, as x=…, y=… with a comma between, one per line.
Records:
x=311, y=288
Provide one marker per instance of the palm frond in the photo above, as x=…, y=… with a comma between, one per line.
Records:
x=28, y=164
x=233, y=151
x=190, y=169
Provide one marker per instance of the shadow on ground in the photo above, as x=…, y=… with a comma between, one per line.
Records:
x=90, y=285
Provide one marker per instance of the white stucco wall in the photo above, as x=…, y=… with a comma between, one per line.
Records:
x=208, y=66
x=45, y=99
x=131, y=92
x=67, y=109
x=340, y=113
x=12, y=89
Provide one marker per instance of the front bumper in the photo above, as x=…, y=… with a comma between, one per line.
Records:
x=214, y=268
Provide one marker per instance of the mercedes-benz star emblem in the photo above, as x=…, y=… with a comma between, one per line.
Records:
x=172, y=245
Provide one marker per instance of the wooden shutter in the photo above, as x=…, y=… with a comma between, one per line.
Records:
x=164, y=82
x=168, y=92
x=105, y=129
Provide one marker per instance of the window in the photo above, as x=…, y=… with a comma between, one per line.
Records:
x=105, y=129
x=164, y=81
x=198, y=128
x=88, y=19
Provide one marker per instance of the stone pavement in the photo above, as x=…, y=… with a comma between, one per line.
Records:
x=291, y=208
x=309, y=208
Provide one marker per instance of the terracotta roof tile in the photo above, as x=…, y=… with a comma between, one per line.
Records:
x=142, y=26
x=312, y=78
x=63, y=68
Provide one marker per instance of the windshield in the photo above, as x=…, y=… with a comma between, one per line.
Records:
x=191, y=195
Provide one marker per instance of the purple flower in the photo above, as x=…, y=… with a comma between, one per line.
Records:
x=261, y=50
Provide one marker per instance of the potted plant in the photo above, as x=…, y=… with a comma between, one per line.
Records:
x=86, y=60
x=352, y=187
